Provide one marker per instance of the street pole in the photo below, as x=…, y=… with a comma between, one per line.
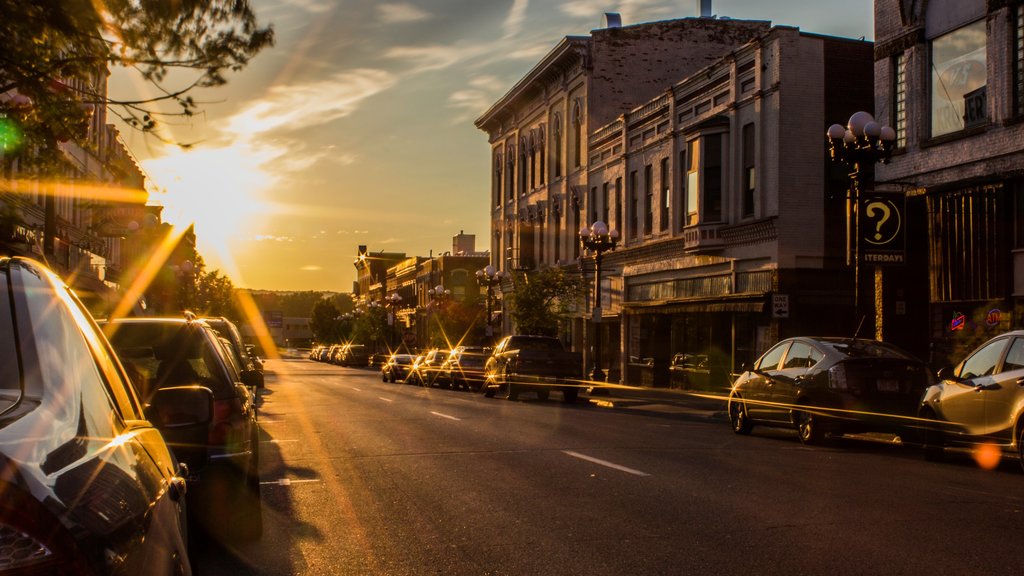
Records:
x=597, y=239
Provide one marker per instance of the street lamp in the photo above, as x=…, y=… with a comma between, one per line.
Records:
x=438, y=294
x=489, y=277
x=862, y=142
x=393, y=301
x=597, y=239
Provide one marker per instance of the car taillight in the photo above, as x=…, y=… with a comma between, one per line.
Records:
x=226, y=416
x=32, y=540
x=837, y=377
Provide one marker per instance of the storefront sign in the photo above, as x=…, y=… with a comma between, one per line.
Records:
x=882, y=235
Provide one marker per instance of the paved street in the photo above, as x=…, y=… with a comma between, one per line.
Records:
x=363, y=477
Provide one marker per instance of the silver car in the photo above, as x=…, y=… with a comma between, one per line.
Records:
x=980, y=401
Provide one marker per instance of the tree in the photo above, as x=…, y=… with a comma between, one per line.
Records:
x=57, y=52
x=457, y=323
x=323, y=321
x=540, y=301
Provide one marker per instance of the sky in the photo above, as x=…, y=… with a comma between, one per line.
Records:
x=356, y=128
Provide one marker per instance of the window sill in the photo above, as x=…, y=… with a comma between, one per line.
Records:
x=1014, y=120
x=953, y=137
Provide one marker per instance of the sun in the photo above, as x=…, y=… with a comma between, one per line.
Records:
x=220, y=190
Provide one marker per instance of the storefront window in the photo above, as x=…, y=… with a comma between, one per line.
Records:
x=957, y=69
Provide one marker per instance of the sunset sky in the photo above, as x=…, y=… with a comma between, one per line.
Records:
x=357, y=127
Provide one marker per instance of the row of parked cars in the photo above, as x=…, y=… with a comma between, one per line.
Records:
x=459, y=368
x=121, y=442
x=833, y=386
x=342, y=354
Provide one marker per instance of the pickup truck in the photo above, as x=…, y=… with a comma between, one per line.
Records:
x=533, y=364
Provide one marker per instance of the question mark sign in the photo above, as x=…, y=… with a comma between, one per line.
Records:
x=874, y=208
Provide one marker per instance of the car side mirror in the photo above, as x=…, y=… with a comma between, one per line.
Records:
x=180, y=407
x=946, y=373
x=252, y=378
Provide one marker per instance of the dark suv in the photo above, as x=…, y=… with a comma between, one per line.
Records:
x=251, y=369
x=163, y=353
x=88, y=483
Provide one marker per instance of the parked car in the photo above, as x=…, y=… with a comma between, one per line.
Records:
x=89, y=485
x=464, y=368
x=224, y=464
x=829, y=386
x=532, y=363
x=250, y=365
x=980, y=401
x=697, y=372
x=353, y=355
x=398, y=367
x=428, y=372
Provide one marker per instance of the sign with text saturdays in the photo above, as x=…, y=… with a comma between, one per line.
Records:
x=882, y=219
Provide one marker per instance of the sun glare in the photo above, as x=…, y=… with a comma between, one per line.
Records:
x=220, y=190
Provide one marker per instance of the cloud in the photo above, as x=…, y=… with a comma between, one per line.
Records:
x=311, y=6
x=311, y=268
x=399, y=13
x=475, y=99
x=298, y=106
x=514, y=21
x=631, y=10
x=272, y=238
x=428, y=58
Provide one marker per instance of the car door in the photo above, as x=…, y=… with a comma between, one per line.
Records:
x=962, y=400
x=756, y=384
x=786, y=382
x=1004, y=395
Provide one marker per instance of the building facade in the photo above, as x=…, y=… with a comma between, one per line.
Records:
x=949, y=77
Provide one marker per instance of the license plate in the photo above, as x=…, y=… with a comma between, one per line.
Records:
x=888, y=386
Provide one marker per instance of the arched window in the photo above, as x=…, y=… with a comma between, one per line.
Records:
x=497, y=178
x=510, y=157
x=540, y=152
x=533, y=159
x=523, y=145
x=556, y=135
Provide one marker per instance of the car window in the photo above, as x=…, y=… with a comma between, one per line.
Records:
x=10, y=374
x=73, y=390
x=1014, y=356
x=771, y=358
x=802, y=355
x=983, y=362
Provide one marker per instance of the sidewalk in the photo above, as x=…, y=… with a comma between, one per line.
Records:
x=663, y=401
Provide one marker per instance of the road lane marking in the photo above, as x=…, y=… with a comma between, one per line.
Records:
x=445, y=416
x=605, y=463
x=276, y=441
x=357, y=389
x=289, y=481
x=385, y=399
x=262, y=421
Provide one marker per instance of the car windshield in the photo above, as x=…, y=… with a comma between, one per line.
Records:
x=866, y=348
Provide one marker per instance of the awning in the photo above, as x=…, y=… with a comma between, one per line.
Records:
x=696, y=306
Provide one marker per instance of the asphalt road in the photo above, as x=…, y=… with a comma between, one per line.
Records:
x=363, y=477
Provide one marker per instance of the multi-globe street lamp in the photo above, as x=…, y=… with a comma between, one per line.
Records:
x=488, y=277
x=598, y=239
x=863, y=142
x=393, y=301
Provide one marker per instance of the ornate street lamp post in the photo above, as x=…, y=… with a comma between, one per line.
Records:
x=438, y=294
x=393, y=301
x=488, y=277
x=597, y=240
x=862, y=142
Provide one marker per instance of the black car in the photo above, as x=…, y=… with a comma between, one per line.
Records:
x=88, y=484
x=398, y=367
x=251, y=368
x=429, y=371
x=829, y=386
x=465, y=368
x=224, y=464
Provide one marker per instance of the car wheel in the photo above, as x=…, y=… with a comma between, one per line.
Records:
x=569, y=395
x=1020, y=442
x=808, y=428
x=509, y=390
x=383, y=376
x=932, y=439
x=741, y=423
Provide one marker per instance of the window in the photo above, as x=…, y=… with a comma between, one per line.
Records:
x=958, y=68
x=680, y=203
x=711, y=194
x=618, y=203
x=1018, y=67
x=497, y=179
x=533, y=161
x=648, y=199
x=802, y=356
x=592, y=204
x=749, y=174
x=522, y=165
x=634, y=207
x=665, y=192
x=1015, y=357
x=541, y=150
x=771, y=358
x=576, y=224
x=604, y=203
x=983, y=362
x=556, y=213
x=577, y=145
x=510, y=154
x=692, y=180
x=899, y=99
x=556, y=134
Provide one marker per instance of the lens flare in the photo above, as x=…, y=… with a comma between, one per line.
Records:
x=987, y=456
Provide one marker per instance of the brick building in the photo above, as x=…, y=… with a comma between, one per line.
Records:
x=730, y=111
x=949, y=76
x=726, y=204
